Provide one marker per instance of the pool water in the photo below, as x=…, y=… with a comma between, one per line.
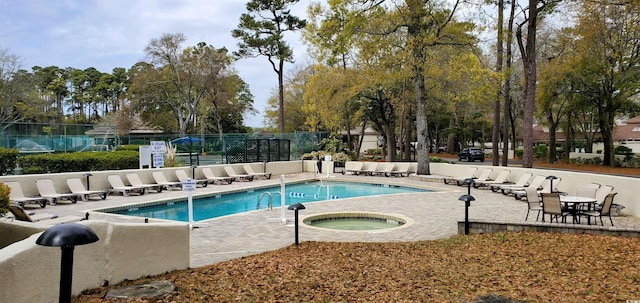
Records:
x=228, y=204
x=354, y=224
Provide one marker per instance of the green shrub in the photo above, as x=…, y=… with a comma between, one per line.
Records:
x=81, y=161
x=4, y=199
x=333, y=144
x=540, y=151
x=8, y=160
x=128, y=147
x=437, y=160
x=519, y=153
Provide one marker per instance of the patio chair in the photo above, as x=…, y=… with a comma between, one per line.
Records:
x=501, y=178
x=601, y=194
x=546, y=188
x=134, y=180
x=47, y=190
x=519, y=191
x=552, y=206
x=49, y=219
x=182, y=175
x=469, y=174
x=160, y=179
x=383, y=169
x=369, y=168
x=533, y=202
x=401, y=169
x=17, y=196
x=521, y=183
x=77, y=187
x=237, y=177
x=249, y=170
x=212, y=178
x=482, y=177
x=353, y=167
x=604, y=211
x=118, y=186
x=587, y=190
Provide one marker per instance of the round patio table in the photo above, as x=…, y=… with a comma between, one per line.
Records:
x=574, y=203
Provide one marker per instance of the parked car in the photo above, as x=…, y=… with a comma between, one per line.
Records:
x=471, y=154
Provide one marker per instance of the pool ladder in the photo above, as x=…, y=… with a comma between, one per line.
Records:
x=266, y=194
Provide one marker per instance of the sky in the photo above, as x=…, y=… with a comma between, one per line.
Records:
x=106, y=34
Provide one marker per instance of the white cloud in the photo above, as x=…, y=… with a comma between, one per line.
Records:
x=113, y=33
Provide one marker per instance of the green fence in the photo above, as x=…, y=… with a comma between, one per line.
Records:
x=30, y=138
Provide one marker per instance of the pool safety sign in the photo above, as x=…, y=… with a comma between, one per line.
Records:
x=189, y=185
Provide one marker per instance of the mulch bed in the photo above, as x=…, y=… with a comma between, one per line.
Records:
x=525, y=267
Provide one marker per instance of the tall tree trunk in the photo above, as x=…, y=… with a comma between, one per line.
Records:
x=414, y=30
x=529, y=61
x=507, y=90
x=495, y=138
x=281, y=95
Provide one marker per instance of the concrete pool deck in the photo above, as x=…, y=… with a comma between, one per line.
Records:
x=435, y=214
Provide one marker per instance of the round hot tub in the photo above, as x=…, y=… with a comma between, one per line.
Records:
x=357, y=221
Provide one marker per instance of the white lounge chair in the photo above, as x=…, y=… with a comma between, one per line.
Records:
x=238, y=177
x=17, y=195
x=520, y=183
x=118, y=186
x=402, y=169
x=546, y=188
x=501, y=178
x=22, y=215
x=470, y=173
x=536, y=182
x=76, y=187
x=212, y=178
x=353, y=167
x=134, y=180
x=160, y=179
x=47, y=190
x=182, y=175
x=249, y=170
x=482, y=176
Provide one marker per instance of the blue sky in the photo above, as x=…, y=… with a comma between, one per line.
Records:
x=106, y=34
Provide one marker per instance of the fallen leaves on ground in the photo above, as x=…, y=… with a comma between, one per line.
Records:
x=529, y=267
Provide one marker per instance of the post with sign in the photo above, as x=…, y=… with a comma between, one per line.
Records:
x=158, y=149
x=189, y=185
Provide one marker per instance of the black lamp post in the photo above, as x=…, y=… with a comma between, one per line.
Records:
x=467, y=202
x=87, y=175
x=551, y=178
x=468, y=182
x=193, y=171
x=66, y=236
x=296, y=207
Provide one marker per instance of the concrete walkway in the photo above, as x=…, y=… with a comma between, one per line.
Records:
x=431, y=215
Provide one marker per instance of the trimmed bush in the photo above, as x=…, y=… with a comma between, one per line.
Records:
x=4, y=199
x=8, y=160
x=82, y=161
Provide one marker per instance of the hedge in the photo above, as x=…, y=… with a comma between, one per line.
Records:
x=80, y=161
x=8, y=160
x=4, y=199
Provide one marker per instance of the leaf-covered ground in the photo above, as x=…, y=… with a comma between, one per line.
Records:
x=527, y=267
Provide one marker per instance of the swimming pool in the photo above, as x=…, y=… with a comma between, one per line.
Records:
x=233, y=203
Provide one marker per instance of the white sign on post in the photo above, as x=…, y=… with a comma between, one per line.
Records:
x=158, y=160
x=158, y=147
x=189, y=185
x=145, y=156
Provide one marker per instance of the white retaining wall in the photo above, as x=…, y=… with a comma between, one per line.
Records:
x=31, y=273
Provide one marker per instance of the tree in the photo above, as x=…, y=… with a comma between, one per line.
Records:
x=261, y=32
x=178, y=80
x=9, y=89
x=607, y=64
x=537, y=9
